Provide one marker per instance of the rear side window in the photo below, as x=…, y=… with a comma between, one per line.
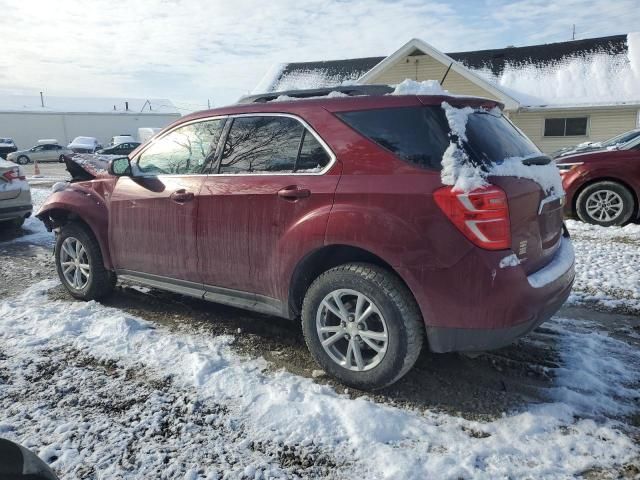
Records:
x=418, y=135
x=262, y=144
x=313, y=157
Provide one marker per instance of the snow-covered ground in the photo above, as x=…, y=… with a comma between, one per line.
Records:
x=607, y=261
x=98, y=392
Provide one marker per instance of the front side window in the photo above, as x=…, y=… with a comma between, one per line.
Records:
x=262, y=144
x=186, y=150
x=565, y=127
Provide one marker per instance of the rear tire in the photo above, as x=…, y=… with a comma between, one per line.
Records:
x=92, y=280
x=388, y=340
x=606, y=204
x=23, y=160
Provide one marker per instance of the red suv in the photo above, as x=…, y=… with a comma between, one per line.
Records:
x=331, y=210
x=603, y=186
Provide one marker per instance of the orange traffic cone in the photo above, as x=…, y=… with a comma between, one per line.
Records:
x=36, y=169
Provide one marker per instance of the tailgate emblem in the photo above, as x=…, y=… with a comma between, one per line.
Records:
x=522, y=248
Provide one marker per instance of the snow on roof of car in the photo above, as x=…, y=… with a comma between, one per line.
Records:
x=32, y=103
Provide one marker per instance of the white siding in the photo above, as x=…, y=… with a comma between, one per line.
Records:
x=603, y=123
x=27, y=128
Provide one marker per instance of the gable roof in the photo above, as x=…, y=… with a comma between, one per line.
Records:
x=530, y=75
x=418, y=46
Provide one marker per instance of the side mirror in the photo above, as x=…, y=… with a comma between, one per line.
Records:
x=120, y=167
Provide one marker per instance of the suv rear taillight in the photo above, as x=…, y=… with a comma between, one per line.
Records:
x=482, y=215
x=13, y=174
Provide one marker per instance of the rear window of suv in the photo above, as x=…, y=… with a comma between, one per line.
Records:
x=420, y=135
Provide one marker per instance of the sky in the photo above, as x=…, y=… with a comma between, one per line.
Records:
x=210, y=51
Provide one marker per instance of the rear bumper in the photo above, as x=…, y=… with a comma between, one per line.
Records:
x=9, y=213
x=478, y=305
x=442, y=339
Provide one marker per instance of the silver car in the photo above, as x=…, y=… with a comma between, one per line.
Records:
x=15, y=196
x=47, y=152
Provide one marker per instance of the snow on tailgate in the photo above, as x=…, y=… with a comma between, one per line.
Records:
x=226, y=415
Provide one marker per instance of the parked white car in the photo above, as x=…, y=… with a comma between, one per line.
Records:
x=118, y=139
x=15, y=196
x=84, y=145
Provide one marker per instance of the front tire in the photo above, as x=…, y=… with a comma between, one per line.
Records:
x=61, y=159
x=606, y=204
x=362, y=325
x=23, y=160
x=80, y=265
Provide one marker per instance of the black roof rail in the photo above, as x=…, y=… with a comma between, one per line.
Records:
x=350, y=90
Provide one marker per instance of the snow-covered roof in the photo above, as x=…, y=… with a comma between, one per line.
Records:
x=32, y=103
x=603, y=70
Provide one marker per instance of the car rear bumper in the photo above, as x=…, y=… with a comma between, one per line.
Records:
x=17, y=207
x=9, y=213
x=493, y=306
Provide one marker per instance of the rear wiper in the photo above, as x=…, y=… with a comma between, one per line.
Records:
x=540, y=160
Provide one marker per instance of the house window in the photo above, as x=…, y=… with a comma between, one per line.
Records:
x=565, y=127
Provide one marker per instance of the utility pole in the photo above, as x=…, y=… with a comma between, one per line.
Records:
x=41, y=100
x=573, y=37
x=209, y=104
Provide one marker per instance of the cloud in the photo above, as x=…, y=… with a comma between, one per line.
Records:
x=193, y=50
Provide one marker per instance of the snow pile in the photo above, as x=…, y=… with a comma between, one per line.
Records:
x=413, y=87
x=308, y=79
x=594, y=79
x=287, y=98
x=458, y=170
x=245, y=406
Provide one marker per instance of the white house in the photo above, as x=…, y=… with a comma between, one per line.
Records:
x=27, y=119
x=559, y=94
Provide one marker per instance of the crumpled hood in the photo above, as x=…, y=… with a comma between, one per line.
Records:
x=86, y=166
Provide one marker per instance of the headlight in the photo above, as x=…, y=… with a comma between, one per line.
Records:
x=565, y=167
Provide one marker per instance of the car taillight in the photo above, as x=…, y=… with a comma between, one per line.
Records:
x=482, y=215
x=13, y=174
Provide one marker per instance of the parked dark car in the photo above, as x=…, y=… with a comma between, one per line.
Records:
x=7, y=146
x=614, y=142
x=120, y=149
x=332, y=211
x=603, y=187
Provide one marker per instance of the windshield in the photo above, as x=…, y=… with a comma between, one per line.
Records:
x=620, y=139
x=492, y=139
x=6, y=140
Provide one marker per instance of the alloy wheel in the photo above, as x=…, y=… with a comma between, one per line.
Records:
x=604, y=205
x=352, y=330
x=74, y=261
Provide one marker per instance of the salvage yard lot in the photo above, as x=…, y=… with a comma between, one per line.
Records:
x=154, y=385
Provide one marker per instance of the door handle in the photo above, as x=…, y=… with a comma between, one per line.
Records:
x=181, y=196
x=294, y=193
